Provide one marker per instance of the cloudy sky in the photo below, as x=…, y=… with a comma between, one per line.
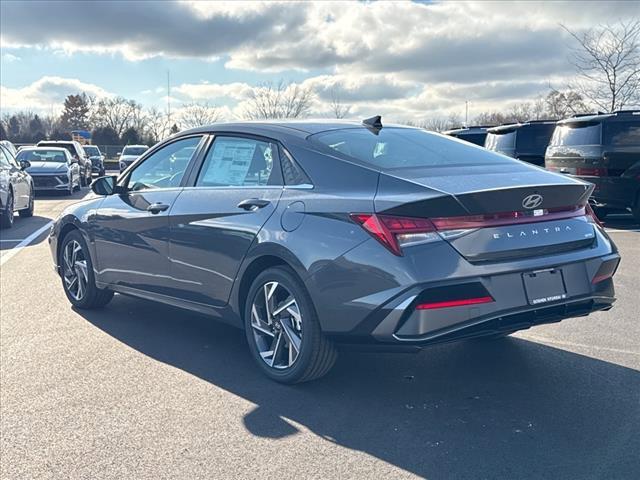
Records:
x=406, y=61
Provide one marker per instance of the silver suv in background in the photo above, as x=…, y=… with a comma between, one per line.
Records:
x=130, y=154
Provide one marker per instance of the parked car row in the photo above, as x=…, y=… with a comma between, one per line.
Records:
x=51, y=165
x=603, y=149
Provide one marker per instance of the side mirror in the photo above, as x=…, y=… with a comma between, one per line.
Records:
x=74, y=160
x=24, y=164
x=104, y=185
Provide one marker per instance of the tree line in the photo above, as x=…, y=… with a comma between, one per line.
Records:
x=606, y=61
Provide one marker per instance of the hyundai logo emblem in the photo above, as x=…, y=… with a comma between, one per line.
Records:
x=532, y=201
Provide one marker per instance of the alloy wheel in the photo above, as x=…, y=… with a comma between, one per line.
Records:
x=277, y=325
x=76, y=274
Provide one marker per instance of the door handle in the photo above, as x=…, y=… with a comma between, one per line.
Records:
x=157, y=208
x=251, y=204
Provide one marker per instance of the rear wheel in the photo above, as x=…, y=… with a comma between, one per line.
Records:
x=6, y=216
x=28, y=212
x=78, y=279
x=283, y=331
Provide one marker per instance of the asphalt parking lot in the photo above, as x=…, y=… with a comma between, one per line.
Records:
x=140, y=390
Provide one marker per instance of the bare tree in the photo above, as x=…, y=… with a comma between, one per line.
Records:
x=338, y=109
x=198, y=114
x=282, y=100
x=607, y=61
x=438, y=124
x=563, y=104
x=117, y=113
x=157, y=124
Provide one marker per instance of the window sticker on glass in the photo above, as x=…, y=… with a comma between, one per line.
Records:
x=230, y=161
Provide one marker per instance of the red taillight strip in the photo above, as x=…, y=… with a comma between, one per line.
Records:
x=454, y=303
x=504, y=218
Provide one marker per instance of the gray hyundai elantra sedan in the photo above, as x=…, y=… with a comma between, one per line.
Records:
x=314, y=236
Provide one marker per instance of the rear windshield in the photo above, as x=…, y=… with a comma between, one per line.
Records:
x=475, y=138
x=621, y=134
x=42, y=155
x=134, y=150
x=534, y=138
x=501, y=141
x=392, y=148
x=576, y=134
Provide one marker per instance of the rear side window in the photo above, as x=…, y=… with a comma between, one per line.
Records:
x=291, y=171
x=582, y=133
x=391, y=148
x=621, y=134
x=501, y=141
x=238, y=162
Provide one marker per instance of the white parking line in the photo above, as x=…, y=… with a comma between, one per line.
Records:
x=24, y=243
x=616, y=230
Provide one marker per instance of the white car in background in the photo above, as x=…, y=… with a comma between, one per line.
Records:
x=130, y=154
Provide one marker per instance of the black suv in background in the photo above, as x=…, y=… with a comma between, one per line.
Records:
x=603, y=149
x=525, y=141
x=475, y=134
x=76, y=151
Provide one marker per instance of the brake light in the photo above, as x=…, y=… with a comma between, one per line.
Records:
x=591, y=172
x=506, y=218
x=454, y=303
x=395, y=232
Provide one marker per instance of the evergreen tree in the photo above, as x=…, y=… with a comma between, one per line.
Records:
x=76, y=112
x=131, y=137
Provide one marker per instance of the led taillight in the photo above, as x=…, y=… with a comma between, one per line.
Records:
x=454, y=303
x=395, y=232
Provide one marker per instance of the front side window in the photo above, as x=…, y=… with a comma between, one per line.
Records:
x=166, y=167
x=577, y=134
x=238, y=162
x=622, y=134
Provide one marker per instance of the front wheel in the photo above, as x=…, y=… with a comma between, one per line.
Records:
x=6, y=216
x=28, y=212
x=78, y=279
x=283, y=331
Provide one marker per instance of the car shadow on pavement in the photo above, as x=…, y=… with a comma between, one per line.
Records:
x=22, y=228
x=505, y=409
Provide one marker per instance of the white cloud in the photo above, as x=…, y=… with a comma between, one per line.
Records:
x=47, y=93
x=9, y=58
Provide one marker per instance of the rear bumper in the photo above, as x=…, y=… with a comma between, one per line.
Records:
x=614, y=192
x=399, y=323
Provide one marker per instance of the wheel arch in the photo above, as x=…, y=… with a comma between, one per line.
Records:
x=264, y=257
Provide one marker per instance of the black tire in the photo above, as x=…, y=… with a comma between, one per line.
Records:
x=93, y=297
x=316, y=353
x=6, y=216
x=28, y=212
